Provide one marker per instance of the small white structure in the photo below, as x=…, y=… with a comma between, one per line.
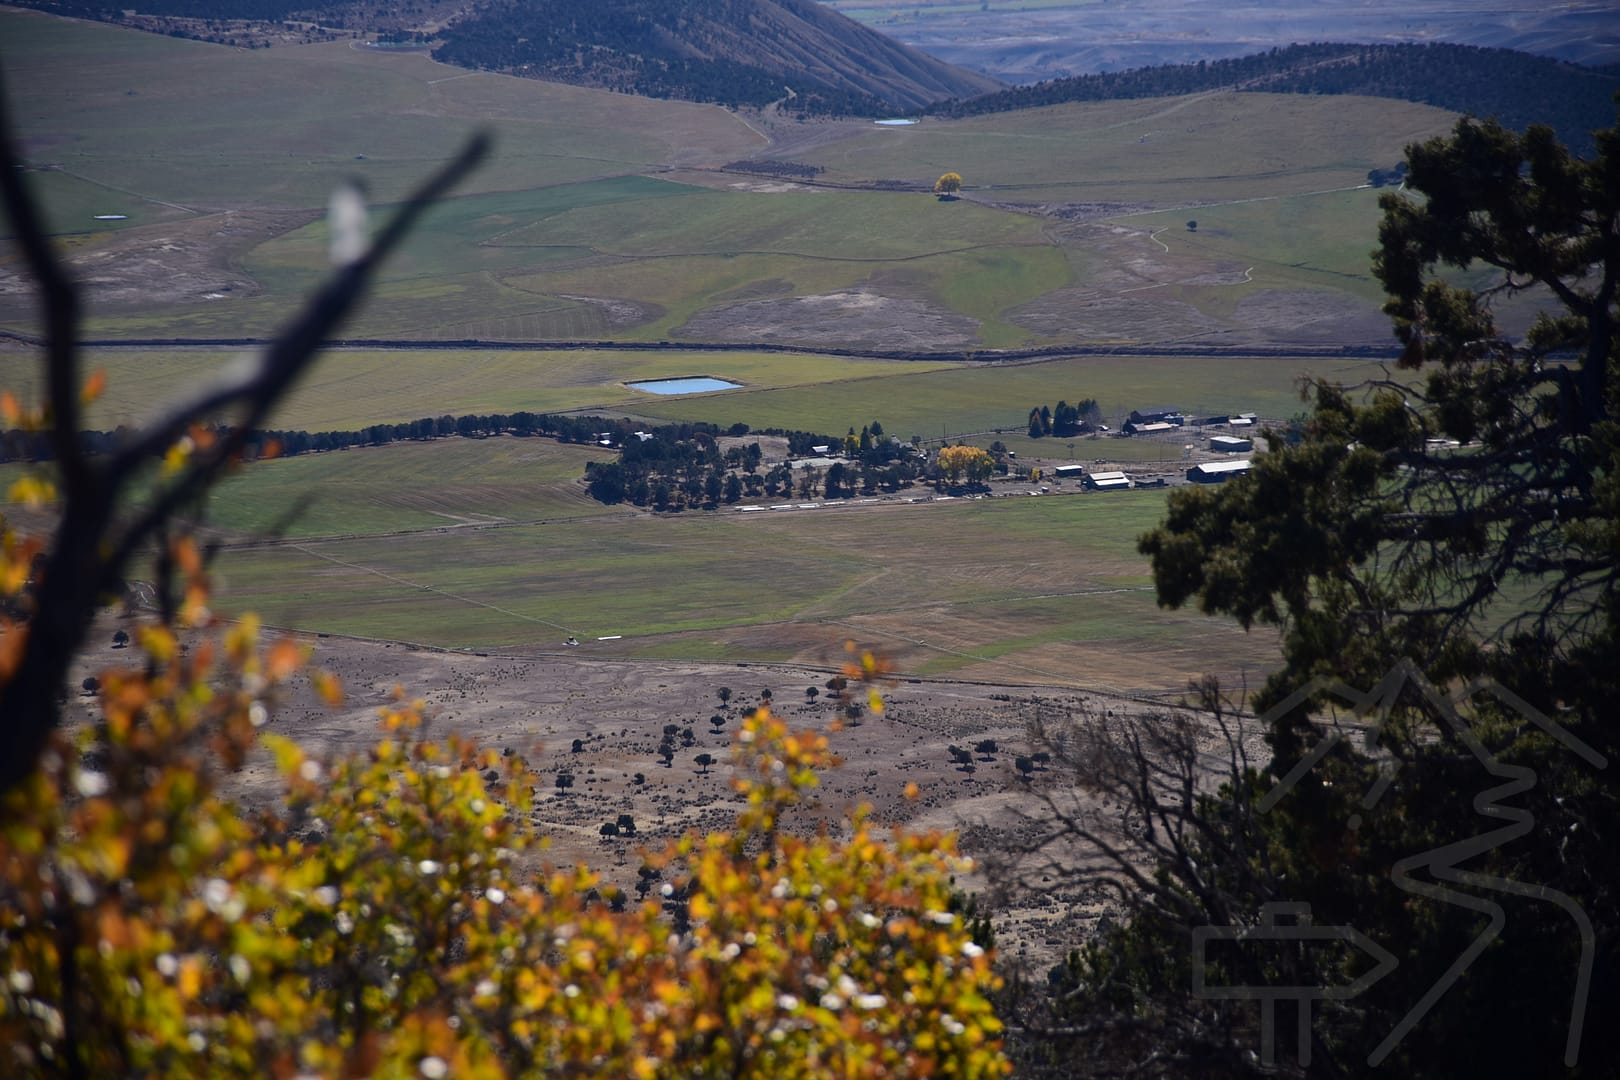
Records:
x=1069, y=470
x=1215, y=472
x=1245, y=419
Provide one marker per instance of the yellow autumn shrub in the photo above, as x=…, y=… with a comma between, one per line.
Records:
x=378, y=922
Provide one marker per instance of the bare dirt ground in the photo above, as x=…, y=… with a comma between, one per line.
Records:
x=537, y=706
x=861, y=318
x=176, y=262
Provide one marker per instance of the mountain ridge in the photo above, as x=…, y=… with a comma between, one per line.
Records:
x=797, y=54
x=1517, y=88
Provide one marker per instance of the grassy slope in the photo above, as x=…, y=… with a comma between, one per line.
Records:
x=276, y=128
x=279, y=127
x=1171, y=150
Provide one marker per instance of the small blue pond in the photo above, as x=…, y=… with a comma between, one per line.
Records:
x=696, y=384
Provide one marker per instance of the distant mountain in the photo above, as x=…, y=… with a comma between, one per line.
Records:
x=1516, y=88
x=736, y=52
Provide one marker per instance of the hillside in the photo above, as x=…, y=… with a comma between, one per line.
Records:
x=1516, y=88
x=731, y=52
x=737, y=52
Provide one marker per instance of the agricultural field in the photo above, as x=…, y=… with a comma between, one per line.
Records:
x=348, y=389
x=1012, y=589
x=1208, y=147
x=351, y=389
x=381, y=490
x=604, y=216
x=608, y=217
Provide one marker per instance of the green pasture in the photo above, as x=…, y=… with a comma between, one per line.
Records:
x=212, y=127
x=1019, y=584
x=348, y=389
x=74, y=204
x=1315, y=241
x=408, y=487
x=1186, y=150
x=563, y=234
x=979, y=264
x=548, y=263
x=949, y=400
x=884, y=227
x=522, y=264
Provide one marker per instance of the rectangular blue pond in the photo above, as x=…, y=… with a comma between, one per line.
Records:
x=695, y=384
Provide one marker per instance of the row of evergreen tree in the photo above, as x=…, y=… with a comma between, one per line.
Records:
x=1065, y=419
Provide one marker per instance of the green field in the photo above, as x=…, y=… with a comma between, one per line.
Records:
x=1016, y=588
x=350, y=389
x=565, y=233
x=603, y=216
x=211, y=127
x=372, y=490
x=951, y=400
x=1199, y=148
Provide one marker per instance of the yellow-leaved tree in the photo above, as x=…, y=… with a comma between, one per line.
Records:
x=150, y=926
x=949, y=185
x=971, y=462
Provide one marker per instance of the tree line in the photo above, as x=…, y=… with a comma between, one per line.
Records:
x=1516, y=88
x=26, y=445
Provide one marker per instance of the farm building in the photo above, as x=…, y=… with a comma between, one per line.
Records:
x=1159, y=414
x=1214, y=472
x=1245, y=419
x=1069, y=470
x=1230, y=444
x=1148, y=427
x=1108, y=481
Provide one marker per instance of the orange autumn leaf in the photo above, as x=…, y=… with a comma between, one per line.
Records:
x=284, y=658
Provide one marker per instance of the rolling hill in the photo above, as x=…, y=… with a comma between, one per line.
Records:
x=1516, y=88
x=798, y=53
x=739, y=52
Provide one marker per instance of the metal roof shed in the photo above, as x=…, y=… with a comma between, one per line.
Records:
x=1108, y=481
x=1214, y=472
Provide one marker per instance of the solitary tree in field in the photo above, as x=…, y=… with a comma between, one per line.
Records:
x=948, y=186
x=704, y=761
